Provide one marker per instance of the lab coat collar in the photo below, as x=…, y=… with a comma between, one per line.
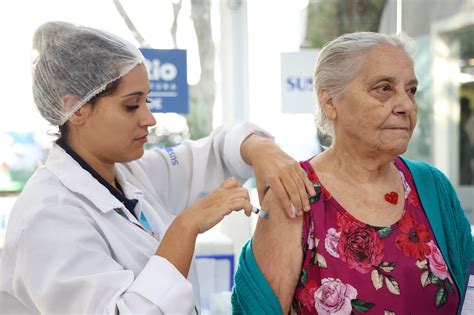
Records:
x=130, y=191
x=78, y=180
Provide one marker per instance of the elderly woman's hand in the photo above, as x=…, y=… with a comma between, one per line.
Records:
x=276, y=169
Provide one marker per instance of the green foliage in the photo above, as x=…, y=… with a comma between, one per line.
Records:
x=200, y=117
x=329, y=19
x=304, y=277
x=441, y=297
x=361, y=306
x=385, y=231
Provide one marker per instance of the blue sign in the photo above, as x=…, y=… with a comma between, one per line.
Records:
x=167, y=73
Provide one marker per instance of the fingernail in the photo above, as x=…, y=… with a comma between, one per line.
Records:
x=307, y=208
x=293, y=212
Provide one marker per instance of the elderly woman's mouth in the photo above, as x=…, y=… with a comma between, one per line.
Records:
x=397, y=128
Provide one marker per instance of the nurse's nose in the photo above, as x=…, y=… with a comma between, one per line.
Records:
x=148, y=119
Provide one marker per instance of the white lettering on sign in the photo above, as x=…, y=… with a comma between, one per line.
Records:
x=158, y=71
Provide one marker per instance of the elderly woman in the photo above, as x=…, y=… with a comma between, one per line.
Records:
x=385, y=235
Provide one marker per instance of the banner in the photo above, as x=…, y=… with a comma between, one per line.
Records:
x=167, y=73
x=296, y=81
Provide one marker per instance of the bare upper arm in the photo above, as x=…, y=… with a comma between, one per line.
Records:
x=277, y=248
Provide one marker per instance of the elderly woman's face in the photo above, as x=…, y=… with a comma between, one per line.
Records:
x=377, y=112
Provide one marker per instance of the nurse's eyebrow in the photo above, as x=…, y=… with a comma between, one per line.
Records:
x=137, y=93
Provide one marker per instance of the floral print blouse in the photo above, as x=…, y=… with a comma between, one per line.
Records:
x=350, y=267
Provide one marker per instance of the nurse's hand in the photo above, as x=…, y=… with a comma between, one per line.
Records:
x=178, y=243
x=277, y=170
x=211, y=209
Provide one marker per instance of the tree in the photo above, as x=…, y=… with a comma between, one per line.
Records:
x=328, y=19
x=202, y=94
x=138, y=37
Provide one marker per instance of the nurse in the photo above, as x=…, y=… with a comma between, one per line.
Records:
x=104, y=227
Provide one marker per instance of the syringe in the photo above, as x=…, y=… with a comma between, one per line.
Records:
x=260, y=212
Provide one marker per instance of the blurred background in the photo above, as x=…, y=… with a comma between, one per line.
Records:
x=249, y=60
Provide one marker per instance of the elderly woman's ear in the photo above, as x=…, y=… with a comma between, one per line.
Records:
x=327, y=104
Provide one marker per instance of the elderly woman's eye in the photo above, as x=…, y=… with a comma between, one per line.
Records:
x=383, y=88
x=413, y=90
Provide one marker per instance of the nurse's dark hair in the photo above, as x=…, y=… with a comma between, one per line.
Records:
x=341, y=59
x=63, y=132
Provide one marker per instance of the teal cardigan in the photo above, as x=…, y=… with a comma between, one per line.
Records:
x=253, y=295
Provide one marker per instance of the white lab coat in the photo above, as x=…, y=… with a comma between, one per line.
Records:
x=68, y=252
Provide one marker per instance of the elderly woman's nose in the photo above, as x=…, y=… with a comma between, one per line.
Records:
x=405, y=103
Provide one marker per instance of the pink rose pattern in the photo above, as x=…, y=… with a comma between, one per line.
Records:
x=437, y=264
x=311, y=240
x=334, y=297
x=361, y=248
x=331, y=242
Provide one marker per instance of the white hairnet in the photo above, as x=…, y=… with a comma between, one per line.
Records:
x=76, y=61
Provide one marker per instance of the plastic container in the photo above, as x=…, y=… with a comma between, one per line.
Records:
x=215, y=268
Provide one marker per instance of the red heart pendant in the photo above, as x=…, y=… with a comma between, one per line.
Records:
x=391, y=197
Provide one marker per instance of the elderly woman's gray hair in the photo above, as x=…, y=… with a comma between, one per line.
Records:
x=341, y=59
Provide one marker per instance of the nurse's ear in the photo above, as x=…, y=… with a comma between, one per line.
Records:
x=80, y=115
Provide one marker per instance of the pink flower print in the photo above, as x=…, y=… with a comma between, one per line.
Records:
x=361, y=248
x=311, y=241
x=406, y=187
x=437, y=263
x=331, y=241
x=334, y=297
x=413, y=199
